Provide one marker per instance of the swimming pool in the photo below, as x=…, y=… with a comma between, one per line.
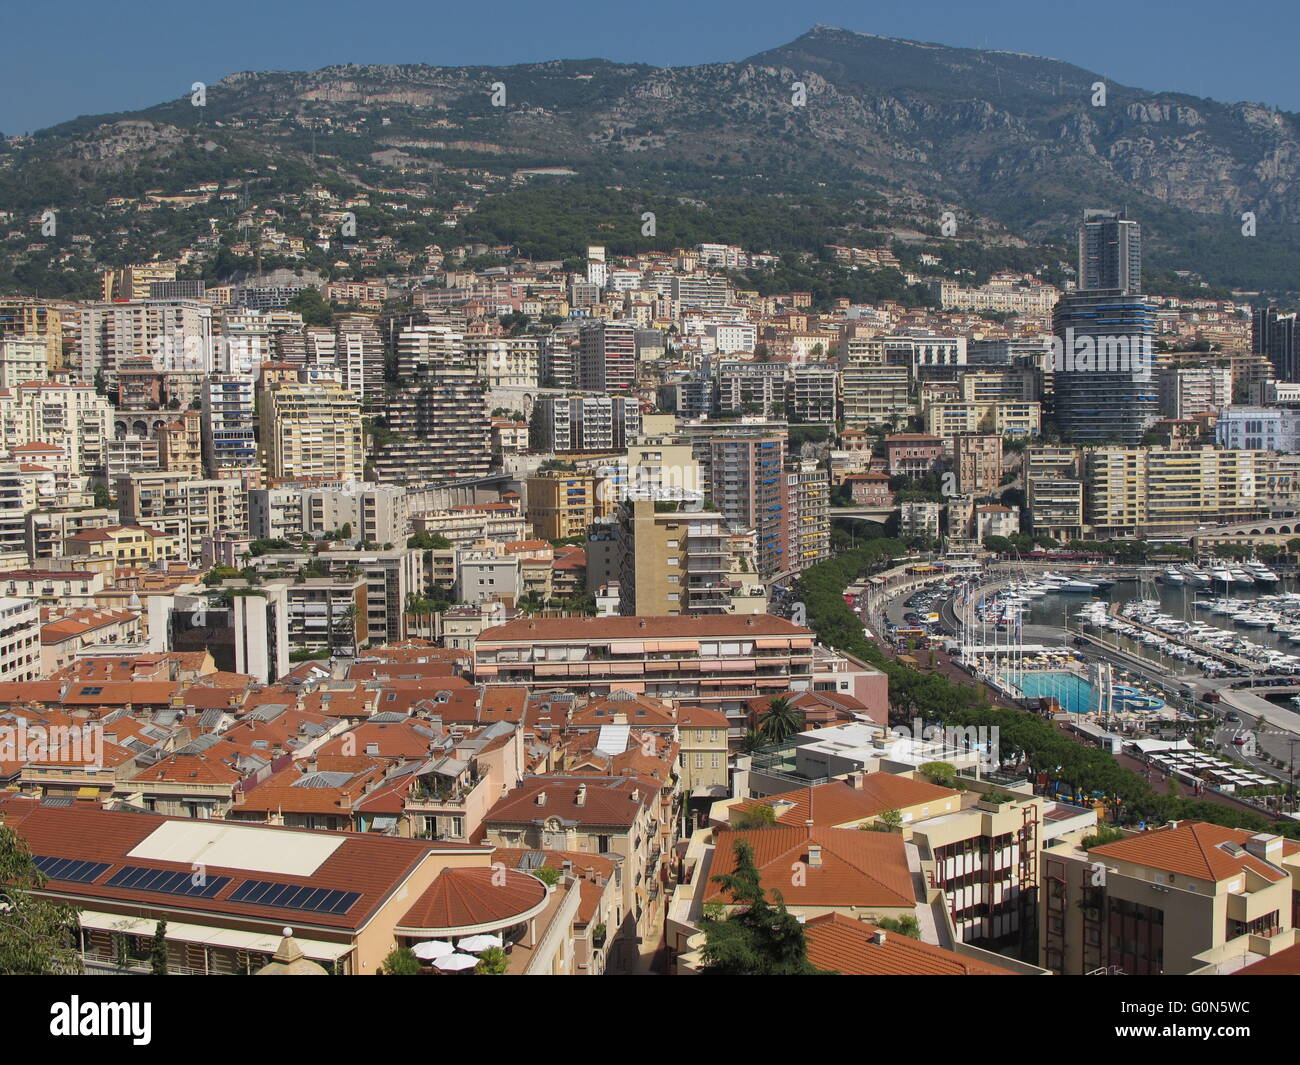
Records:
x=1072, y=692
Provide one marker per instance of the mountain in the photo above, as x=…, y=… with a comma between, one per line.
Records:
x=892, y=134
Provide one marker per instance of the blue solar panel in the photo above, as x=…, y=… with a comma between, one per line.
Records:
x=75, y=870
x=294, y=897
x=167, y=882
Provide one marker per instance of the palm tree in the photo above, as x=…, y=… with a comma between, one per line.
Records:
x=781, y=720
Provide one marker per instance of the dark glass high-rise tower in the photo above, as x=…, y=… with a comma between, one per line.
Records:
x=1274, y=334
x=1110, y=252
x=1104, y=332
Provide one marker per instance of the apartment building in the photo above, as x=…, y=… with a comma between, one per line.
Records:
x=22, y=359
x=436, y=429
x=1170, y=901
x=122, y=545
x=1130, y=490
x=74, y=418
x=1054, y=491
x=311, y=429
x=1188, y=391
x=34, y=319
x=977, y=459
x=499, y=522
x=986, y=859
x=606, y=359
x=561, y=503
x=1003, y=295
x=376, y=513
x=713, y=660
x=180, y=444
x=229, y=422
x=671, y=561
x=746, y=387
x=811, y=393
x=913, y=454
x=920, y=519
x=46, y=529
x=745, y=478
x=702, y=737
x=506, y=362
x=134, y=282
x=805, y=516
x=562, y=424
x=423, y=348
x=20, y=641
x=615, y=817
x=275, y=875
x=175, y=334
x=185, y=508
x=875, y=395
x=948, y=418
x=359, y=356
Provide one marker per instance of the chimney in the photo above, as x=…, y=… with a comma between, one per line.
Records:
x=541, y=798
x=1266, y=846
x=855, y=781
x=582, y=795
x=878, y=937
x=814, y=856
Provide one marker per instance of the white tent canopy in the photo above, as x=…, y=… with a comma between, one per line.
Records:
x=452, y=963
x=432, y=948
x=474, y=944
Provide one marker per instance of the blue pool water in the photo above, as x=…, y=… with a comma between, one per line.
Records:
x=1072, y=692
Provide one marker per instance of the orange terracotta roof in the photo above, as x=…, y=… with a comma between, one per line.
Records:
x=857, y=868
x=840, y=803
x=467, y=898
x=1283, y=963
x=1191, y=848
x=606, y=800
x=837, y=943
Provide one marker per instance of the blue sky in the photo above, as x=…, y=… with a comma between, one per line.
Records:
x=72, y=57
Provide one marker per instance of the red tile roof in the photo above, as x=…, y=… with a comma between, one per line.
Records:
x=838, y=802
x=1192, y=848
x=373, y=866
x=837, y=943
x=857, y=868
x=698, y=626
x=607, y=800
x=468, y=898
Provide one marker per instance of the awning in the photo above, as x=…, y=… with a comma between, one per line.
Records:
x=771, y=644
x=627, y=648
x=261, y=942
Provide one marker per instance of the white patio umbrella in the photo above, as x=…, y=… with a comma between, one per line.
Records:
x=474, y=944
x=432, y=948
x=452, y=963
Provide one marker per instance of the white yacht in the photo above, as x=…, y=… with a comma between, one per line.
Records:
x=1240, y=576
x=1261, y=572
x=1173, y=576
x=1221, y=573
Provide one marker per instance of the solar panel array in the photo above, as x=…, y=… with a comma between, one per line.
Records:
x=167, y=882
x=294, y=897
x=74, y=870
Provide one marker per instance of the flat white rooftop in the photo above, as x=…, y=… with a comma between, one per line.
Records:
x=220, y=844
